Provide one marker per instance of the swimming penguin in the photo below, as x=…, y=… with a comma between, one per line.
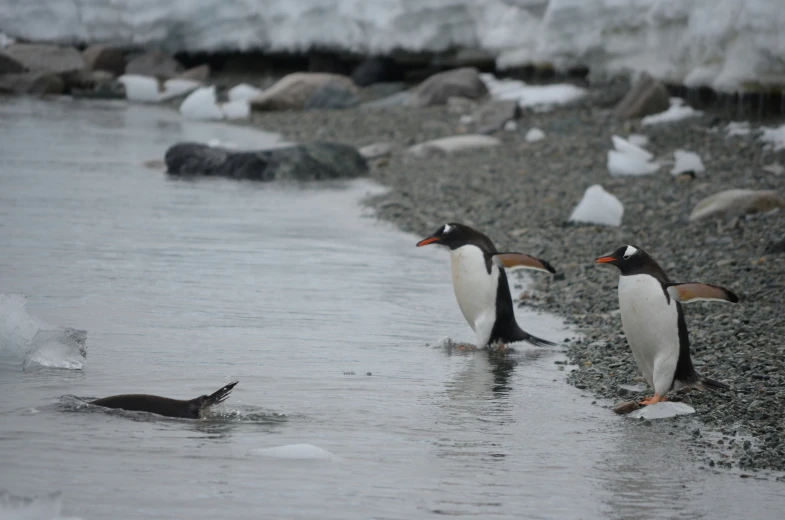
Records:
x=192, y=409
x=480, y=283
x=653, y=320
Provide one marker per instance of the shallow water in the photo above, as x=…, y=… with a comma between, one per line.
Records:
x=324, y=316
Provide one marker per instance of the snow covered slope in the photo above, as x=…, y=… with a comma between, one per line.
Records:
x=724, y=44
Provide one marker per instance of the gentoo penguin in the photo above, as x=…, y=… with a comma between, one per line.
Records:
x=653, y=320
x=480, y=283
x=192, y=409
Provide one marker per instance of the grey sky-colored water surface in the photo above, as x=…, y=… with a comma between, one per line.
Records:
x=184, y=285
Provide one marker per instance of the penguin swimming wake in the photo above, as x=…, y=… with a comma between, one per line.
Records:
x=480, y=283
x=653, y=320
x=189, y=409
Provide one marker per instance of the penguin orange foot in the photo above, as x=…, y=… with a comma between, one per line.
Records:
x=653, y=400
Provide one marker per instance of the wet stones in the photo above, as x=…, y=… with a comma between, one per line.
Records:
x=436, y=90
x=155, y=64
x=294, y=90
x=646, y=97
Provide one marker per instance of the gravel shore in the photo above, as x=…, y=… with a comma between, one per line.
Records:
x=521, y=194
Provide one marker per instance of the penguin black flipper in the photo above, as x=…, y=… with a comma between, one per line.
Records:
x=521, y=261
x=688, y=292
x=534, y=340
x=712, y=384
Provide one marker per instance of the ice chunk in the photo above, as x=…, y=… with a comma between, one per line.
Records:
x=638, y=139
x=239, y=109
x=531, y=95
x=677, y=111
x=629, y=159
x=243, y=92
x=662, y=410
x=41, y=507
x=738, y=128
x=17, y=327
x=686, y=162
x=598, y=207
x=534, y=135
x=201, y=104
x=774, y=136
x=296, y=451
x=150, y=90
x=57, y=349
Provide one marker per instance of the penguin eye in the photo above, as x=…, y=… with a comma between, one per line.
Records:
x=626, y=257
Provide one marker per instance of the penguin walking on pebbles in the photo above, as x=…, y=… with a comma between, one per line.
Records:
x=480, y=283
x=184, y=409
x=653, y=320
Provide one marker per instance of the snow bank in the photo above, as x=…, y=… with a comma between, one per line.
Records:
x=629, y=159
x=677, y=111
x=724, y=44
x=598, y=207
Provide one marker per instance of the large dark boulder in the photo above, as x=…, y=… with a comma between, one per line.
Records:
x=304, y=162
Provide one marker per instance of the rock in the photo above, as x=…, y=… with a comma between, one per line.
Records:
x=376, y=150
x=598, y=207
x=647, y=96
x=200, y=73
x=737, y=202
x=376, y=70
x=382, y=90
x=464, y=82
x=625, y=407
x=104, y=57
x=46, y=58
x=35, y=83
x=662, y=410
x=774, y=248
x=332, y=96
x=293, y=90
x=9, y=64
x=534, y=135
x=452, y=145
x=311, y=161
x=155, y=64
x=100, y=85
x=395, y=100
x=493, y=115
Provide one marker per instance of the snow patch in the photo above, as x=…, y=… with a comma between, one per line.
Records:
x=639, y=140
x=530, y=96
x=202, y=104
x=534, y=135
x=738, y=128
x=677, y=111
x=629, y=160
x=145, y=89
x=598, y=207
x=296, y=451
x=775, y=137
x=662, y=410
x=686, y=162
x=243, y=92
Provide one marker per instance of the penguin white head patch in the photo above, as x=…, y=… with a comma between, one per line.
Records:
x=629, y=252
x=447, y=229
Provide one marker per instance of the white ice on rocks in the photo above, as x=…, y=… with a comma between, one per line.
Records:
x=639, y=140
x=202, y=104
x=148, y=90
x=243, y=92
x=534, y=135
x=774, y=136
x=686, y=161
x=296, y=451
x=598, y=207
x=531, y=96
x=723, y=44
x=662, y=410
x=628, y=159
x=30, y=343
x=677, y=111
x=735, y=128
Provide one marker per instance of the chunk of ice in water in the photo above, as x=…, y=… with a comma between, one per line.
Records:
x=662, y=410
x=40, y=507
x=296, y=451
x=60, y=348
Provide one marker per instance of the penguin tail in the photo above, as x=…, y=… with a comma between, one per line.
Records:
x=219, y=396
x=711, y=384
x=534, y=340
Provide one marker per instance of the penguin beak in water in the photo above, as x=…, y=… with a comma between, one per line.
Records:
x=606, y=260
x=429, y=240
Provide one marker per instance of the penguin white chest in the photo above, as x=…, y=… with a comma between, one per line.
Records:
x=475, y=289
x=650, y=323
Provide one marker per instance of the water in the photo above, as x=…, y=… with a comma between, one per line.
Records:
x=185, y=285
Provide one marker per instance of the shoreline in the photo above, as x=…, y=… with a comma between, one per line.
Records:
x=520, y=194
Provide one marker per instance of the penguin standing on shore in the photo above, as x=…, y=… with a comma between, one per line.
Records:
x=653, y=320
x=480, y=283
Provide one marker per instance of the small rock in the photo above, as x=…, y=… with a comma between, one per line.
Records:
x=662, y=410
x=452, y=145
x=46, y=58
x=494, y=115
x=625, y=407
x=200, y=73
x=104, y=57
x=647, y=96
x=376, y=70
x=685, y=177
x=155, y=64
x=737, y=202
x=332, y=96
x=376, y=150
x=293, y=90
x=464, y=82
x=774, y=248
x=33, y=83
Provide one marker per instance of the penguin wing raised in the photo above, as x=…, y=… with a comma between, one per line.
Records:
x=694, y=292
x=521, y=261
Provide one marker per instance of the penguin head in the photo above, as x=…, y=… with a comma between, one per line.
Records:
x=629, y=259
x=451, y=236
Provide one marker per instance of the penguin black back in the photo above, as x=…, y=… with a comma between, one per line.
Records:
x=184, y=409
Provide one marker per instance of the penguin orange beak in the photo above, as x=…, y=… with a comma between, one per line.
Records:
x=429, y=240
x=605, y=260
